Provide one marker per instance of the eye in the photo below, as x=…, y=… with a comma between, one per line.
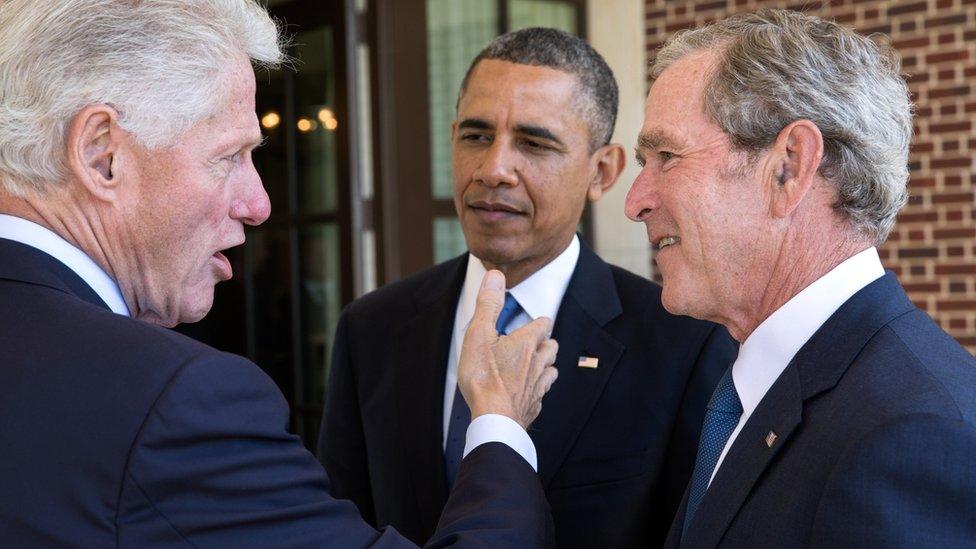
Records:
x=475, y=138
x=534, y=145
x=665, y=156
x=640, y=159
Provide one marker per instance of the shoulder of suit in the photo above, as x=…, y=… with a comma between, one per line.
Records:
x=915, y=342
x=400, y=293
x=127, y=339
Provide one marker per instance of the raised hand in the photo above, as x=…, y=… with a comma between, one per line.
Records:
x=510, y=374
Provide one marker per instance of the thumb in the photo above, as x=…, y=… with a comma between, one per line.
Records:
x=491, y=298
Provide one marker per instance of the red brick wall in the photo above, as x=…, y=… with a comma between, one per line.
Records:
x=933, y=246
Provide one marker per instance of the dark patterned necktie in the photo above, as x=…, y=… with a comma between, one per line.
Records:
x=460, y=413
x=724, y=411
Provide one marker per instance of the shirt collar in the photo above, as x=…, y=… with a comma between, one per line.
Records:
x=539, y=295
x=47, y=241
x=769, y=349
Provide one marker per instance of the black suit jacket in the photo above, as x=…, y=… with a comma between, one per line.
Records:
x=616, y=444
x=115, y=433
x=875, y=421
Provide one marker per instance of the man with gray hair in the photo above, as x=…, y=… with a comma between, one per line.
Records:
x=617, y=437
x=774, y=152
x=126, y=132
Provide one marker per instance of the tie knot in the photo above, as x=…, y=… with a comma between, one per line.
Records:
x=509, y=311
x=725, y=398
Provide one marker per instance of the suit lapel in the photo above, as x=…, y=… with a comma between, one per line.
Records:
x=28, y=264
x=421, y=351
x=779, y=412
x=591, y=301
x=816, y=368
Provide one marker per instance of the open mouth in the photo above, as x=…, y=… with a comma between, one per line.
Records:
x=668, y=241
x=224, y=269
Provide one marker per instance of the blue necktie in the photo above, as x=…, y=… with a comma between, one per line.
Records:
x=460, y=413
x=724, y=411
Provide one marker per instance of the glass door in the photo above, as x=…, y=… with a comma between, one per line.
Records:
x=294, y=273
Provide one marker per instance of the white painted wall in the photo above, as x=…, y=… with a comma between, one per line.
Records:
x=615, y=28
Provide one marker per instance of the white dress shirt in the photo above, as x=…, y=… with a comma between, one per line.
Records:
x=769, y=349
x=538, y=295
x=45, y=240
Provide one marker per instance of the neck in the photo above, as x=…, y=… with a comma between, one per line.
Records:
x=799, y=261
x=69, y=219
x=517, y=271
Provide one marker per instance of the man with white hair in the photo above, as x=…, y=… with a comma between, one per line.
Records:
x=126, y=132
x=774, y=159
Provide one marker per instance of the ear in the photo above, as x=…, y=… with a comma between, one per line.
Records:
x=797, y=154
x=610, y=160
x=93, y=141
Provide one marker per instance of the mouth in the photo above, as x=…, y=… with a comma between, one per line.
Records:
x=494, y=211
x=224, y=269
x=666, y=241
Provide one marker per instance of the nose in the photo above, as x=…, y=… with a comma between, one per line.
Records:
x=642, y=198
x=252, y=205
x=498, y=166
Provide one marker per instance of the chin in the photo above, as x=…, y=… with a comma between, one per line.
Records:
x=496, y=252
x=674, y=302
x=196, y=309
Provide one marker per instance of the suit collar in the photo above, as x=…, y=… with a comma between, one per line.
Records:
x=772, y=345
x=539, y=295
x=593, y=288
x=422, y=343
x=816, y=368
x=25, y=263
x=590, y=303
x=40, y=237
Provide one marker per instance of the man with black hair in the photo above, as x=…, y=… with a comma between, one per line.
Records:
x=617, y=436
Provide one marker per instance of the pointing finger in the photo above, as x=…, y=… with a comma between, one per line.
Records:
x=491, y=297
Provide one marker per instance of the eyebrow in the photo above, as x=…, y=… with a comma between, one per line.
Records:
x=524, y=129
x=258, y=143
x=540, y=132
x=247, y=144
x=657, y=138
x=474, y=124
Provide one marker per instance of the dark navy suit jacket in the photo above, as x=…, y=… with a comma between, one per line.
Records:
x=875, y=423
x=616, y=443
x=115, y=433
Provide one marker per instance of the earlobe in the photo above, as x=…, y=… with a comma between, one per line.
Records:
x=92, y=147
x=610, y=160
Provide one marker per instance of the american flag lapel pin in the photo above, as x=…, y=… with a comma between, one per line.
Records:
x=588, y=362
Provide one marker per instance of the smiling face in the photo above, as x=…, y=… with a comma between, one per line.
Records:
x=522, y=165
x=184, y=204
x=702, y=202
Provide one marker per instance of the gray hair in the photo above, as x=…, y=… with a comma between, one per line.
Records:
x=560, y=50
x=778, y=66
x=161, y=64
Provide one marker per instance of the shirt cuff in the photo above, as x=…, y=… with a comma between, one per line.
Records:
x=499, y=428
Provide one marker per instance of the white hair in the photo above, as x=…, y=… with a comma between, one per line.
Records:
x=160, y=63
x=777, y=66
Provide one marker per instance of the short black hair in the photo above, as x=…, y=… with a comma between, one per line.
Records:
x=560, y=50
